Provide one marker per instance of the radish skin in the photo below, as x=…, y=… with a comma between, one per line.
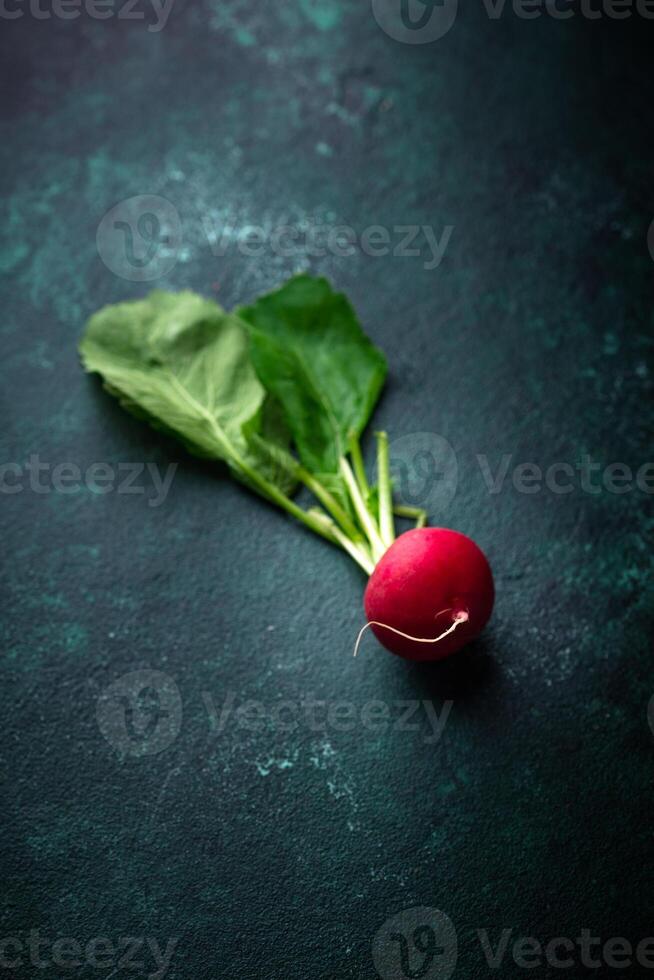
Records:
x=432, y=584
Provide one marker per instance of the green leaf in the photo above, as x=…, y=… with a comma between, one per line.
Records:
x=181, y=363
x=311, y=353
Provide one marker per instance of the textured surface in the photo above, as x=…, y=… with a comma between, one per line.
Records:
x=280, y=853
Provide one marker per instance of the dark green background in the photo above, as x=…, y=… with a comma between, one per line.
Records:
x=276, y=854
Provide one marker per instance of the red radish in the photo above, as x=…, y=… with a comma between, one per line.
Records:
x=211, y=378
x=434, y=585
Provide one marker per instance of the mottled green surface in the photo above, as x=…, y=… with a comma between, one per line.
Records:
x=280, y=854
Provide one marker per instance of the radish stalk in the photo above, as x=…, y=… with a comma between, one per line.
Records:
x=357, y=546
x=354, y=449
x=331, y=504
x=307, y=517
x=360, y=554
x=386, y=526
x=365, y=517
x=416, y=514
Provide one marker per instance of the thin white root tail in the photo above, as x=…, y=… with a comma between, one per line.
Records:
x=461, y=616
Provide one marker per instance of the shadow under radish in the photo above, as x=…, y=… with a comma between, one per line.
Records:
x=463, y=676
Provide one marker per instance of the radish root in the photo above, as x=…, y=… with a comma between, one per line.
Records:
x=462, y=616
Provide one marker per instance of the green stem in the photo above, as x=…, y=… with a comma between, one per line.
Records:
x=365, y=517
x=386, y=525
x=361, y=554
x=412, y=513
x=354, y=448
x=322, y=527
x=331, y=504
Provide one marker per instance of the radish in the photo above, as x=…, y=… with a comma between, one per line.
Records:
x=282, y=391
x=430, y=594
